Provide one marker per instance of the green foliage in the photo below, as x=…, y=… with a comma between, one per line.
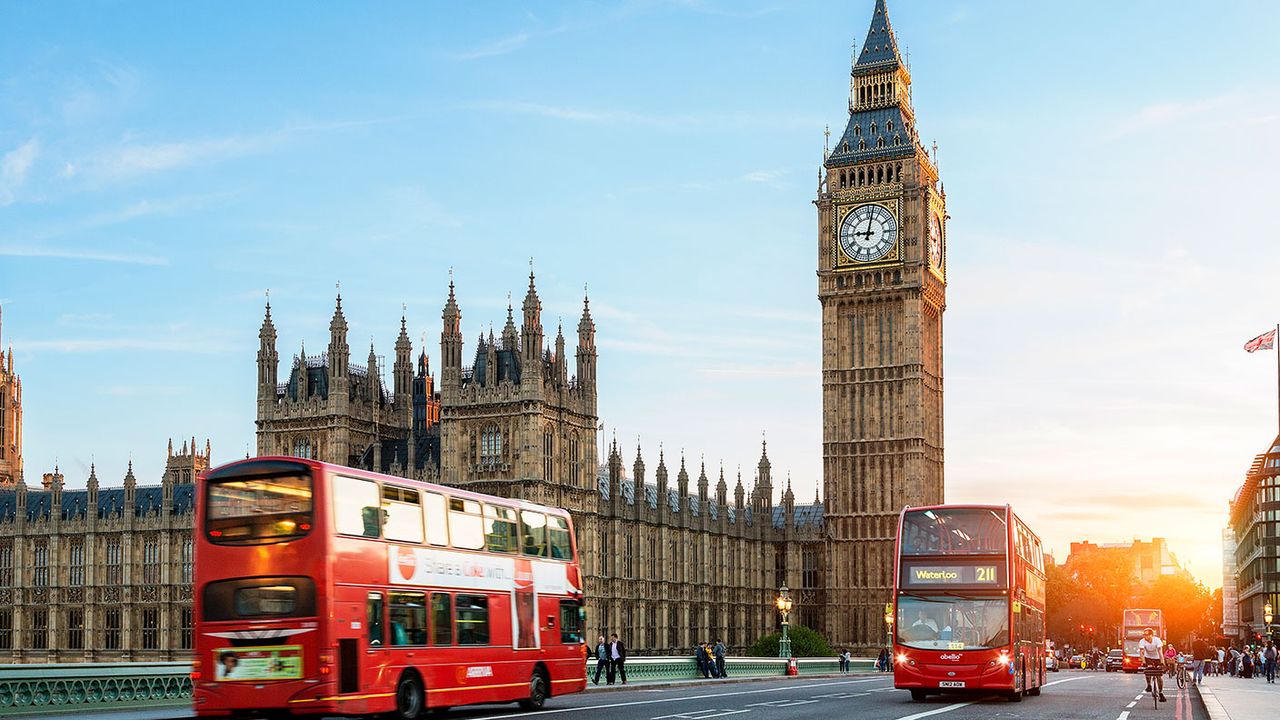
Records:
x=804, y=643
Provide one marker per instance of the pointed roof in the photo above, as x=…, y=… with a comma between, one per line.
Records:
x=586, y=324
x=268, y=327
x=880, y=50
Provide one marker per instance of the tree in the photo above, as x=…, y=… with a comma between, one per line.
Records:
x=1185, y=604
x=804, y=643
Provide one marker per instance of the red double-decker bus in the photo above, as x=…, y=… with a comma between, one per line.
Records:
x=320, y=589
x=968, y=597
x=1132, y=622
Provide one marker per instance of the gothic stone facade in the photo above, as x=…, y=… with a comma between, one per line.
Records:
x=666, y=565
x=882, y=286
x=10, y=420
x=100, y=574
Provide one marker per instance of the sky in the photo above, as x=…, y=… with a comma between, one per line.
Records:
x=1108, y=168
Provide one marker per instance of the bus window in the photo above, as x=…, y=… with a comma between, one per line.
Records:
x=408, y=618
x=558, y=537
x=465, y=526
x=258, y=509
x=437, y=520
x=953, y=531
x=356, y=510
x=441, y=619
x=499, y=528
x=473, y=619
x=277, y=597
x=373, y=607
x=533, y=531
x=402, y=515
x=571, y=622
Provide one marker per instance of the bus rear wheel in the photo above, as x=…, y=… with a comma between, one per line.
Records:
x=537, y=692
x=410, y=697
x=1034, y=692
x=1015, y=696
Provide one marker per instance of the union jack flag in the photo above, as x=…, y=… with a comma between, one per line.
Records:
x=1265, y=341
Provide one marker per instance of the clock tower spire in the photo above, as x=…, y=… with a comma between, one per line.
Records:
x=882, y=288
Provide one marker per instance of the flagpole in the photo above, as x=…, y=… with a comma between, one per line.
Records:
x=1275, y=343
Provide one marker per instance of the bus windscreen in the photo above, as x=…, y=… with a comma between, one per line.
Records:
x=954, y=531
x=952, y=623
x=258, y=509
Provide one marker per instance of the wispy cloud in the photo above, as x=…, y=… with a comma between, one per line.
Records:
x=672, y=120
x=14, y=167
x=87, y=255
x=139, y=390
x=133, y=159
x=763, y=372
x=81, y=345
x=501, y=46
x=1166, y=113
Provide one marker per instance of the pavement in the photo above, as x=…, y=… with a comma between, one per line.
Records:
x=1069, y=695
x=1229, y=698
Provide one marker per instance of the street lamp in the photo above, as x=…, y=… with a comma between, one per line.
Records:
x=888, y=624
x=783, y=602
x=1266, y=617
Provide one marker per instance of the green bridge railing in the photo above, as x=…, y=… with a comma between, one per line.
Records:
x=68, y=687
x=72, y=687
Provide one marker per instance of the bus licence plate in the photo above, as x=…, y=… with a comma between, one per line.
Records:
x=951, y=684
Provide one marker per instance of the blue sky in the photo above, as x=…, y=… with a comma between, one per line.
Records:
x=1108, y=169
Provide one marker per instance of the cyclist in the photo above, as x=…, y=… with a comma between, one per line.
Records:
x=1150, y=649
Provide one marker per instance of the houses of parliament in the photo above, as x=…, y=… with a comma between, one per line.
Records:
x=673, y=552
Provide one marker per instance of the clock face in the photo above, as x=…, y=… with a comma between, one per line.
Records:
x=868, y=233
x=935, y=242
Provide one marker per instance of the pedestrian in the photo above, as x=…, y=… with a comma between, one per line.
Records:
x=719, y=651
x=1269, y=660
x=700, y=657
x=882, y=659
x=708, y=653
x=602, y=661
x=1246, y=665
x=617, y=658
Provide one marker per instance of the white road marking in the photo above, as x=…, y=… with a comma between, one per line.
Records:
x=1124, y=715
x=1135, y=702
x=939, y=711
x=1066, y=680
x=702, y=714
x=888, y=689
x=784, y=688
x=781, y=703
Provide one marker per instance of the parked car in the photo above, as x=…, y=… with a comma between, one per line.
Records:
x=1051, y=663
x=1076, y=661
x=1115, y=660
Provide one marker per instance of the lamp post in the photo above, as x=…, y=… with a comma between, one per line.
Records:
x=1266, y=617
x=783, y=602
x=888, y=624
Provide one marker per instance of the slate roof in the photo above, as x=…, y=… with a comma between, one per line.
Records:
x=508, y=366
x=75, y=503
x=802, y=516
x=880, y=50
x=876, y=134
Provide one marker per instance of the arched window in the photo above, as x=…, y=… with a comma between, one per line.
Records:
x=575, y=459
x=491, y=445
x=842, y=179
x=873, y=127
x=303, y=448
x=857, y=131
x=548, y=454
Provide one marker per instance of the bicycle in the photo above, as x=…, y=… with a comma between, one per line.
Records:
x=1154, y=673
x=1181, y=676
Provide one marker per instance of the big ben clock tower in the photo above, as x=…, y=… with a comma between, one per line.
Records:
x=882, y=264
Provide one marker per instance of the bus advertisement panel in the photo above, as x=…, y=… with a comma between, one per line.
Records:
x=1132, y=622
x=325, y=590
x=968, y=607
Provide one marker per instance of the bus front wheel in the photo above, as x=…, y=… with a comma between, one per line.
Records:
x=1035, y=691
x=409, y=697
x=919, y=695
x=537, y=692
x=1015, y=696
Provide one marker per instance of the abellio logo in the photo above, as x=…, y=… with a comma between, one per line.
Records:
x=950, y=656
x=407, y=561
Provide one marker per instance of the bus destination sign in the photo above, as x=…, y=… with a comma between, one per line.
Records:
x=930, y=575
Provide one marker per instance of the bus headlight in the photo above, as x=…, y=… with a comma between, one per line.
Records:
x=902, y=658
x=1004, y=659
